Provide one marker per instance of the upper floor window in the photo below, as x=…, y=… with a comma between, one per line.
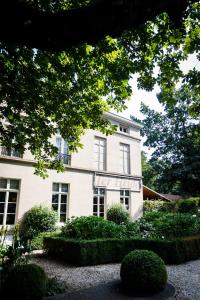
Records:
x=63, y=152
x=125, y=198
x=125, y=158
x=60, y=200
x=10, y=152
x=9, y=189
x=100, y=153
x=123, y=129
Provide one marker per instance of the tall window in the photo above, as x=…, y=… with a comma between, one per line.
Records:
x=125, y=158
x=99, y=202
x=60, y=200
x=125, y=198
x=63, y=153
x=100, y=153
x=9, y=189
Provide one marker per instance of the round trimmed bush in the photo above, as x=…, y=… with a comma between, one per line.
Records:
x=118, y=214
x=37, y=220
x=27, y=282
x=143, y=271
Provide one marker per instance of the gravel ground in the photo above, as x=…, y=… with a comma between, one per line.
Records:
x=185, y=277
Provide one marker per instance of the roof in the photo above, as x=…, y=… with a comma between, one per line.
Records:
x=151, y=194
x=123, y=120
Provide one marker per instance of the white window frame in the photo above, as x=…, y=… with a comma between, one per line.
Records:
x=60, y=193
x=99, y=192
x=125, y=195
x=8, y=190
x=123, y=129
x=99, y=149
x=125, y=159
x=63, y=151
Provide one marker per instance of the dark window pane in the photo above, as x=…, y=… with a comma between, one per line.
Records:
x=94, y=214
x=2, y=196
x=126, y=193
x=122, y=200
x=12, y=197
x=14, y=184
x=62, y=217
x=126, y=201
x=101, y=200
x=63, y=208
x=95, y=200
x=102, y=191
x=64, y=199
x=101, y=208
x=101, y=214
x=121, y=193
x=1, y=219
x=55, y=198
x=10, y=220
x=11, y=208
x=3, y=183
x=55, y=206
x=56, y=187
x=2, y=208
x=94, y=208
x=64, y=188
x=96, y=191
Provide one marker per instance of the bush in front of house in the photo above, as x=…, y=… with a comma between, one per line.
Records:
x=26, y=281
x=92, y=227
x=118, y=214
x=37, y=220
x=160, y=206
x=143, y=271
x=189, y=205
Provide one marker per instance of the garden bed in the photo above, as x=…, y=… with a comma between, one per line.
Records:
x=102, y=251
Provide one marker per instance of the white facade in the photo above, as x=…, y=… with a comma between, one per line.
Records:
x=107, y=170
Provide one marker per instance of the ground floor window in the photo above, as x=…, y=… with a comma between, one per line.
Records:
x=125, y=198
x=99, y=202
x=60, y=200
x=9, y=189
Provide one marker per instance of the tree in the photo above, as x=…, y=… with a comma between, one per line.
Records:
x=149, y=173
x=175, y=137
x=41, y=91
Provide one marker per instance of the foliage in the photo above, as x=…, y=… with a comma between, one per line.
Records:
x=118, y=214
x=160, y=205
x=149, y=173
x=175, y=158
x=26, y=282
x=190, y=205
x=92, y=227
x=102, y=251
x=143, y=271
x=39, y=89
x=37, y=241
x=37, y=220
x=55, y=286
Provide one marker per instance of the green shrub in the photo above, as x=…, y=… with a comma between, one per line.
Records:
x=188, y=205
x=160, y=206
x=118, y=214
x=55, y=286
x=92, y=227
x=27, y=282
x=143, y=271
x=37, y=242
x=38, y=219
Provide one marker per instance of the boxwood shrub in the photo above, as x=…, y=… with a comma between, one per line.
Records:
x=118, y=214
x=143, y=271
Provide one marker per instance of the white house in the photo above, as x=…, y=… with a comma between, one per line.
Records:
x=107, y=170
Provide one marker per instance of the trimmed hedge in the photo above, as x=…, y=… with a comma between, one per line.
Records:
x=93, y=252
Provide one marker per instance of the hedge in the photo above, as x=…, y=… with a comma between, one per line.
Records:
x=102, y=251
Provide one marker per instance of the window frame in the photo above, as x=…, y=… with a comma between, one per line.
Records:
x=124, y=197
x=62, y=154
x=122, y=159
x=7, y=191
x=60, y=193
x=98, y=195
x=123, y=129
x=98, y=162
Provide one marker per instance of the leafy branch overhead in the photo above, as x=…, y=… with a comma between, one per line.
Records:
x=71, y=88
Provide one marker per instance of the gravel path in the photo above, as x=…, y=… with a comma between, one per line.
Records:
x=185, y=277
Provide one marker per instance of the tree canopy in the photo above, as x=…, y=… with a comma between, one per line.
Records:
x=175, y=137
x=41, y=91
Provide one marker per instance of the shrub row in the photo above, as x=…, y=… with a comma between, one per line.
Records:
x=93, y=252
x=190, y=205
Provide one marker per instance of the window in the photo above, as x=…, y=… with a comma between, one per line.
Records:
x=9, y=189
x=99, y=202
x=125, y=158
x=100, y=153
x=125, y=198
x=63, y=153
x=10, y=152
x=60, y=200
x=123, y=129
